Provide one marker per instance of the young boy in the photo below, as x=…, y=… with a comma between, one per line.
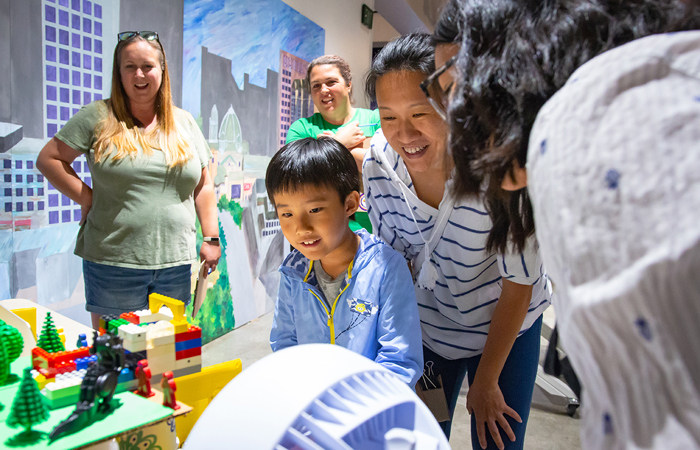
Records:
x=338, y=287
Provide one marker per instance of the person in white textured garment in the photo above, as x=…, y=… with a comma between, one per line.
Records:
x=600, y=112
x=615, y=187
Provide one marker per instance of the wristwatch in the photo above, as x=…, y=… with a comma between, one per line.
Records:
x=211, y=239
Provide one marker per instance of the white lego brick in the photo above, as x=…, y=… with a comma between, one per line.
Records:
x=146, y=316
x=133, y=346
x=160, y=333
x=166, y=311
x=161, y=358
x=132, y=332
x=188, y=362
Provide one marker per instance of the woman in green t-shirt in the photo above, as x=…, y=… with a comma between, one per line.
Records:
x=148, y=164
x=330, y=83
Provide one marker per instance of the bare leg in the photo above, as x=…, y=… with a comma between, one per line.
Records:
x=95, y=321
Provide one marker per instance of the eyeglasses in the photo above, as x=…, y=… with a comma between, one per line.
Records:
x=147, y=35
x=437, y=96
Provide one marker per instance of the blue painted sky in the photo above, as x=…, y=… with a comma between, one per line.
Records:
x=249, y=33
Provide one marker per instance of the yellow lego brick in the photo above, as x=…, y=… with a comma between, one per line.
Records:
x=41, y=381
x=198, y=389
x=29, y=316
x=181, y=325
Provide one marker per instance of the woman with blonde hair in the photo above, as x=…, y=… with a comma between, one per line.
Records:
x=148, y=163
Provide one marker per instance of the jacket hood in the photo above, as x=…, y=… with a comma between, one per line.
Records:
x=297, y=266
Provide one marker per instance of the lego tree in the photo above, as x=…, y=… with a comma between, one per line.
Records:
x=11, y=344
x=49, y=339
x=28, y=409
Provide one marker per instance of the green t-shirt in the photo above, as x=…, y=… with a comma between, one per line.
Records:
x=316, y=124
x=143, y=214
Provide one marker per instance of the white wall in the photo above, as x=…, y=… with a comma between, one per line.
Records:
x=382, y=30
x=345, y=35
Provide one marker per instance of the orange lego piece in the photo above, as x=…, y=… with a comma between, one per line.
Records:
x=131, y=317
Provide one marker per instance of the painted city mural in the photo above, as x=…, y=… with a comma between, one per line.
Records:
x=235, y=65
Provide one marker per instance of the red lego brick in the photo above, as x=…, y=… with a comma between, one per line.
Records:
x=183, y=354
x=40, y=358
x=131, y=317
x=64, y=367
x=72, y=355
x=101, y=331
x=192, y=333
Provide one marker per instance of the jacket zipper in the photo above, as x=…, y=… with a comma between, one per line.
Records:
x=330, y=314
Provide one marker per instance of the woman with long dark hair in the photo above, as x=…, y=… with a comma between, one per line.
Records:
x=584, y=116
x=480, y=310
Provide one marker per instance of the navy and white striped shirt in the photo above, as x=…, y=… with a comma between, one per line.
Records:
x=456, y=315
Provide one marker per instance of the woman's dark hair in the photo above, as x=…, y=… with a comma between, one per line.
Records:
x=412, y=52
x=312, y=162
x=514, y=55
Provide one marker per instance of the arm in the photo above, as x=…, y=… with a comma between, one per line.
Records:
x=485, y=399
x=54, y=161
x=398, y=324
x=205, y=205
x=283, y=333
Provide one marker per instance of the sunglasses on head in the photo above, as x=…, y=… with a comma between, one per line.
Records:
x=147, y=35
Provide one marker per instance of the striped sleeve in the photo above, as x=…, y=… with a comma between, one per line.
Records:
x=522, y=268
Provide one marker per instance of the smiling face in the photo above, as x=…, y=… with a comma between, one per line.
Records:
x=315, y=221
x=410, y=123
x=141, y=73
x=329, y=91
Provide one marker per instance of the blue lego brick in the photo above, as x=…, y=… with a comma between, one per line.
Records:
x=186, y=345
x=125, y=375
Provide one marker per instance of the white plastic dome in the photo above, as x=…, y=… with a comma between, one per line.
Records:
x=317, y=396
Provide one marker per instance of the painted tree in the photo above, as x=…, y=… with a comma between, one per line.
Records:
x=11, y=344
x=28, y=407
x=49, y=339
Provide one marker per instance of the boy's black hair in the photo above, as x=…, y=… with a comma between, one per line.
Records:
x=412, y=52
x=316, y=162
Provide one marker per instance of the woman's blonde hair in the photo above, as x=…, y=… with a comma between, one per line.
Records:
x=119, y=129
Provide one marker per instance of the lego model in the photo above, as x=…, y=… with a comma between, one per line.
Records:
x=143, y=374
x=49, y=339
x=51, y=364
x=11, y=343
x=167, y=384
x=145, y=336
x=28, y=409
x=97, y=387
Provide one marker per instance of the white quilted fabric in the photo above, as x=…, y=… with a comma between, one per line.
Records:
x=614, y=173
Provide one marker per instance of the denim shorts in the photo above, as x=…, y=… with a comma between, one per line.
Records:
x=116, y=290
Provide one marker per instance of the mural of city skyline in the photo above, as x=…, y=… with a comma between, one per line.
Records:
x=61, y=59
x=241, y=78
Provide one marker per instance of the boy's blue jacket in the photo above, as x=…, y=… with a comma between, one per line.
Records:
x=375, y=315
